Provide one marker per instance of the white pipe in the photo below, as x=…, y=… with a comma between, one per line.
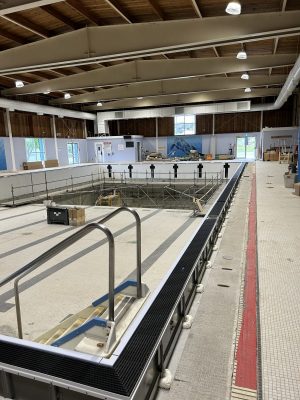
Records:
x=38, y=108
x=53, y=125
x=11, y=142
x=287, y=89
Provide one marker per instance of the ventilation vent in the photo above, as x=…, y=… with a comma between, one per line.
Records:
x=243, y=106
x=179, y=110
x=119, y=114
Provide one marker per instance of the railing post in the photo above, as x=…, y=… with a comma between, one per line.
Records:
x=92, y=180
x=13, y=195
x=46, y=184
x=72, y=185
x=32, y=191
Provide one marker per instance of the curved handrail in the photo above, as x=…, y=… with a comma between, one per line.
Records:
x=22, y=272
x=33, y=265
x=138, y=243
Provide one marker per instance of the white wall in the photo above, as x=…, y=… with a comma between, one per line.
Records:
x=223, y=141
x=125, y=155
x=269, y=139
x=57, y=178
x=20, y=151
x=164, y=169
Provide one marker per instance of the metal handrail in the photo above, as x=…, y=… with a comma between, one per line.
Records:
x=33, y=265
x=138, y=243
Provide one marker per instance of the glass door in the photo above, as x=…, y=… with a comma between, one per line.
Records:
x=246, y=147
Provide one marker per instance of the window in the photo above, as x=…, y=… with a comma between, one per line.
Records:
x=35, y=149
x=185, y=125
x=73, y=153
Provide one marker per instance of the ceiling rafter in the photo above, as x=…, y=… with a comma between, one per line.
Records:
x=59, y=16
x=152, y=70
x=11, y=36
x=197, y=8
x=158, y=10
x=199, y=14
x=24, y=23
x=119, y=9
x=77, y=6
x=276, y=40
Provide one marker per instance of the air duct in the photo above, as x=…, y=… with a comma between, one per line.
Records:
x=287, y=89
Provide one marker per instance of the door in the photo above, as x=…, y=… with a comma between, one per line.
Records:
x=246, y=147
x=73, y=153
x=138, y=152
x=99, y=152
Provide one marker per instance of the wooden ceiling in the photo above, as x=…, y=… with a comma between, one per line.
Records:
x=55, y=18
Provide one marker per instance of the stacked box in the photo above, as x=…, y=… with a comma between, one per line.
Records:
x=76, y=216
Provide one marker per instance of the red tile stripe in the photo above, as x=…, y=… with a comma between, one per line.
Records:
x=246, y=355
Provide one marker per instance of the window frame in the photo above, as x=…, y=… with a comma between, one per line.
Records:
x=184, y=124
x=39, y=151
x=73, y=162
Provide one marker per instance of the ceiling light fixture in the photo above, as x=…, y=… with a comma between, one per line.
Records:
x=47, y=92
x=99, y=104
x=245, y=76
x=140, y=98
x=248, y=90
x=67, y=96
x=242, y=55
x=19, y=84
x=234, y=8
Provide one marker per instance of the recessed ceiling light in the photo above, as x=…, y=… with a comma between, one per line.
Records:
x=67, y=96
x=140, y=98
x=233, y=8
x=245, y=76
x=19, y=84
x=248, y=90
x=47, y=92
x=99, y=104
x=242, y=55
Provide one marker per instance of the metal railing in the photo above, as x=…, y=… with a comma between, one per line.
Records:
x=57, y=249
x=68, y=184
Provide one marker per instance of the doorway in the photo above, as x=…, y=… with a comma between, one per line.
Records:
x=138, y=152
x=99, y=152
x=246, y=147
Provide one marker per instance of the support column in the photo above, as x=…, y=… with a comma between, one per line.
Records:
x=85, y=134
x=53, y=128
x=212, y=147
x=156, y=134
x=11, y=142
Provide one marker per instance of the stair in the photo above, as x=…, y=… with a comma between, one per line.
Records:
x=69, y=324
x=76, y=320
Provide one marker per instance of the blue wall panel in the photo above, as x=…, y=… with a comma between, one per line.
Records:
x=180, y=146
x=3, y=165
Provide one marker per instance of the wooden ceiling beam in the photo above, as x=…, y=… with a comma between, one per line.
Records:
x=158, y=10
x=197, y=8
x=276, y=40
x=77, y=6
x=14, y=38
x=59, y=16
x=24, y=23
x=119, y=9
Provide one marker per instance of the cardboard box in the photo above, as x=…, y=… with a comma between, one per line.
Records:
x=76, y=216
x=33, y=165
x=51, y=163
x=297, y=189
